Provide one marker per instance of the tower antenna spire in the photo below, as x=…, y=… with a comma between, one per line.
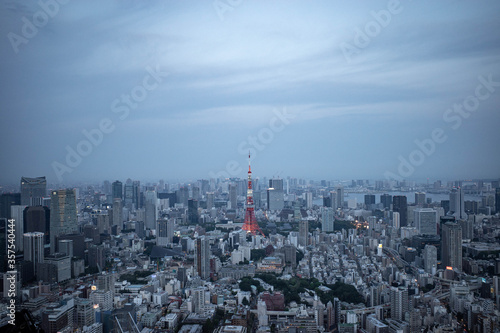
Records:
x=250, y=225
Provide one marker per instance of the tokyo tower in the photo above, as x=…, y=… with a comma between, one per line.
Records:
x=250, y=225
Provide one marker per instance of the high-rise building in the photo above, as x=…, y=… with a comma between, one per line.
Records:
x=165, y=232
x=84, y=313
x=128, y=195
x=106, y=187
x=17, y=213
x=62, y=262
x=400, y=205
x=117, y=212
x=386, y=200
x=399, y=302
x=327, y=219
x=451, y=245
x=340, y=196
x=275, y=199
x=34, y=248
x=333, y=200
x=33, y=190
x=419, y=198
x=233, y=196
x=201, y=257
x=182, y=195
x=369, y=200
x=426, y=220
x=308, y=196
x=63, y=217
x=117, y=189
x=430, y=258
x=193, y=216
x=59, y=317
x=304, y=233
x=457, y=206
x=210, y=200
x=277, y=184
x=396, y=220
x=150, y=205
x=37, y=218
x=497, y=200
x=6, y=201
x=136, y=194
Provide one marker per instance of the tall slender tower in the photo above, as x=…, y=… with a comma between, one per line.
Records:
x=250, y=224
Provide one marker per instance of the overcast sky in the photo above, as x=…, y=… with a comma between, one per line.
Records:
x=326, y=89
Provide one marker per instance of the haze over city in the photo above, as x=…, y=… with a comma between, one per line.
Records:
x=359, y=83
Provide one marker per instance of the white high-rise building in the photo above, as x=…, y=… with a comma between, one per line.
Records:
x=327, y=219
x=399, y=302
x=34, y=247
x=396, y=222
x=340, y=196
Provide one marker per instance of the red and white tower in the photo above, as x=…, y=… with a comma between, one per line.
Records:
x=250, y=225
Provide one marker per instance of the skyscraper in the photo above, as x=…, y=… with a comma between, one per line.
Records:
x=63, y=217
x=128, y=196
x=33, y=190
x=340, y=196
x=275, y=199
x=37, y=218
x=277, y=184
x=34, y=248
x=399, y=302
x=457, y=206
x=150, y=203
x=193, y=216
x=117, y=212
x=202, y=257
x=451, y=245
x=117, y=189
x=419, y=198
x=400, y=205
x=369, y=199
x=430, y=258
x=386, y=200
x=327, y=219
x=426, y=220
x=6, y=201
x=210, y=200
x=17, y=214
x=303, y=233
x=233, y=196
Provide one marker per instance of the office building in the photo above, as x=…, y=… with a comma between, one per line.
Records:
x=400, y=206
x=430, y=258
x=34, y=248
x=308, y=196
x=33, y=190
x=182, y=195
x=399, y=302
x=275, y=199
x=193, y=215
x=63, y=217
x=117, y=190
x=202, y=257
x=426, y=220
x=457, y=206
x=62, y=262
x=8, y=200
x=151, y=204
x=233, y=196
x=333, y=200
x=386, y=200
x=419, y=198
x=340, y=196
x=58, y=318
x=117, y=212
x=327, y=219
x=210, y=200
x=396, y=220
x=303, y=233
x=17, y=213
x=128, y=195
x=165, y=232
x=84, y=313
x=369, y=200
x=451, y=245
x=37, y=219
x=276, y=184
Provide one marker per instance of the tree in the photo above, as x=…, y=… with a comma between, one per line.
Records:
x=245, y=301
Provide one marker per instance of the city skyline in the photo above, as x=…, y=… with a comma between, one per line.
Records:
x=158, y=90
